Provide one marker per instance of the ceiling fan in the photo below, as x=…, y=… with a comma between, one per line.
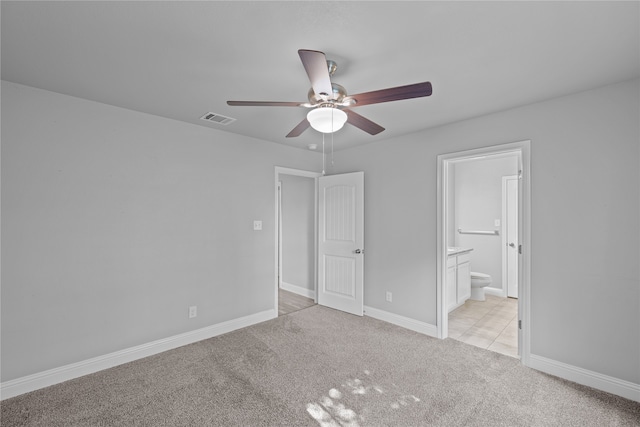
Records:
x=329, y=103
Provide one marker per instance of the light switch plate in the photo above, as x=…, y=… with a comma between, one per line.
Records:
x=496, y=223
x=257, y=225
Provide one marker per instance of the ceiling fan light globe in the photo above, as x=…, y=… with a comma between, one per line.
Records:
x=327, y=120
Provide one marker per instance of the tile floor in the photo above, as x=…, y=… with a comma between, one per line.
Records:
x=490, y=324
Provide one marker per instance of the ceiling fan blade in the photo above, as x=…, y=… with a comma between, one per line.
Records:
x=363, y=123
x=416, y=90
x=296, y=131
x=265, y=104
x=315, y=64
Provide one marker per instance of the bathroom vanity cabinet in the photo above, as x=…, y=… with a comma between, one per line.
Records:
x=458, y=277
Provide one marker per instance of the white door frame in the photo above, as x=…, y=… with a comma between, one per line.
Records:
x=278, y=255
x=524, y=232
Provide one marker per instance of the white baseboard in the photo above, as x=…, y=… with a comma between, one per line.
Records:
x=64, y=373
x=50, y=377
x=309, y=293
x=593, y=379
x=405, y=322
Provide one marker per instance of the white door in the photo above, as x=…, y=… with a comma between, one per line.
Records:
x=341, y=242
x=512, y=236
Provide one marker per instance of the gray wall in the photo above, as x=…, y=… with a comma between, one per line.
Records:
x=298, y=229
x=478, y=202
x=585, y=286
x=114, y=222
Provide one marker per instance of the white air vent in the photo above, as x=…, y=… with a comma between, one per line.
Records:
x=217, y=118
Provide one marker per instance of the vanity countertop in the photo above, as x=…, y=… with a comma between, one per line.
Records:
x=458, y=251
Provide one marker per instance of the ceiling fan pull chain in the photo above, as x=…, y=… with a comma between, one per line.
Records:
x=323, y=173
x=332, y=132
x=332, y=150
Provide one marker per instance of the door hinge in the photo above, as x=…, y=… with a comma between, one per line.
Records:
x=519, y=324
x=520, y=249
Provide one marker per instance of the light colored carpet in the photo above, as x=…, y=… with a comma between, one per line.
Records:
x=318, y=366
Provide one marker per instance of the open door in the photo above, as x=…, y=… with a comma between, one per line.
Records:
x=513, y=245
x=341, y=242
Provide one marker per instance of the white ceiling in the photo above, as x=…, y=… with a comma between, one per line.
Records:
x=183, y=59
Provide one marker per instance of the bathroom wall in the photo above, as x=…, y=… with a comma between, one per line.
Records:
x=478, y=203
x=298, y=228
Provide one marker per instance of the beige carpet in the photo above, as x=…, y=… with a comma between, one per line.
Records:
x=321, y=367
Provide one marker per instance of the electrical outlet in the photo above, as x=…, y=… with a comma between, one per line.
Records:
x=389, y=297
x=257, y=225
x=193, y=311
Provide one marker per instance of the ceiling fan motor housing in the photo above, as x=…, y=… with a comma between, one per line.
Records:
x=338, y=94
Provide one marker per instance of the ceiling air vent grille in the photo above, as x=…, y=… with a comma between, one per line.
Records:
x=217, y=118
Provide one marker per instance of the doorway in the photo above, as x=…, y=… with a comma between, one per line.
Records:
x=472, y=221
x=296, y=229
x=331, y=245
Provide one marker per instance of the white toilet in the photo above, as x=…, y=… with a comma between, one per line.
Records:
x=478, y=282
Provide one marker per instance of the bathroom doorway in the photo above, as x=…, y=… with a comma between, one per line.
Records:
x=475, y=230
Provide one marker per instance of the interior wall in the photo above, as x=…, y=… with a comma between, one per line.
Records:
x=478, y=203
x=298, y=230
x=584, y=156
x=115, y=222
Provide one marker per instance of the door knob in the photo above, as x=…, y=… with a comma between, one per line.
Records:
x=359, y=251
x=513, y=245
